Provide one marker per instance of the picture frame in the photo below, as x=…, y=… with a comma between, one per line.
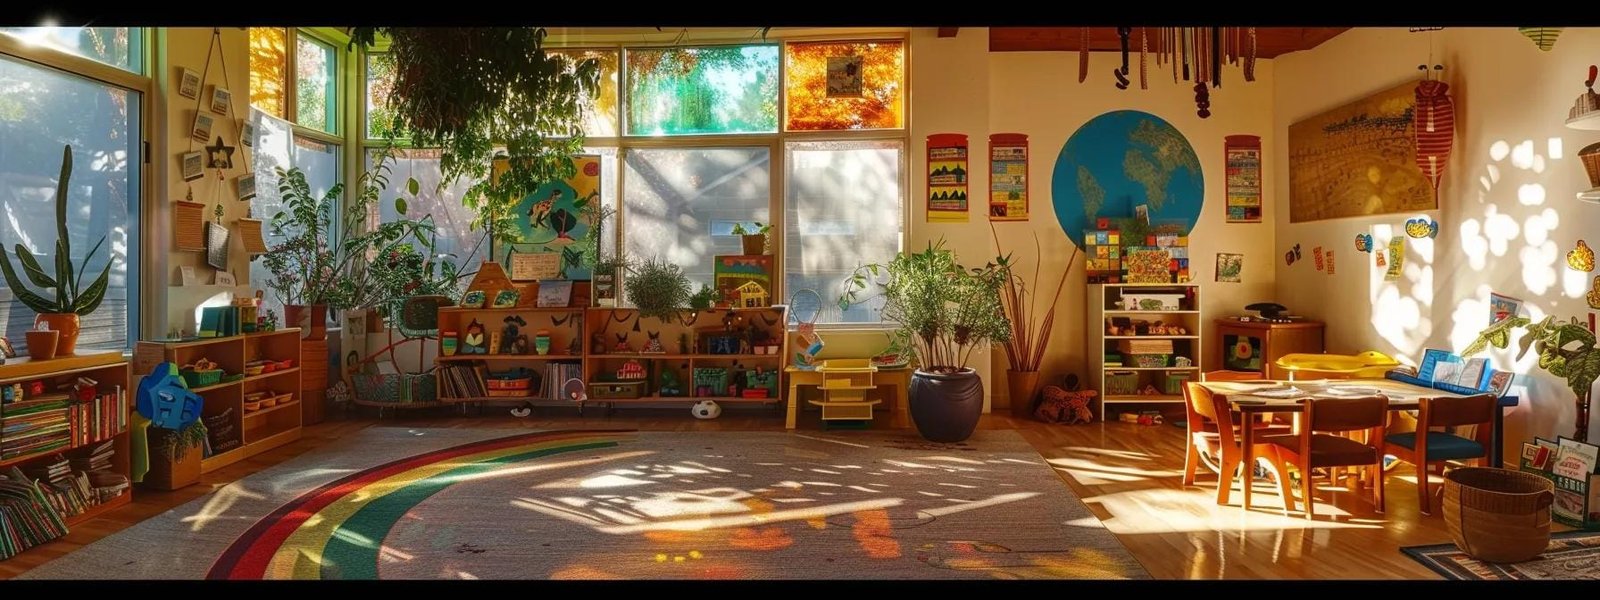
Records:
x=6, y=350
x=193, y=164
x=555, y=293
x=473, y=299
x=247, y=134
x=189, y=84
x=186, y=276
x=216, y=245
x=245, y=186
x=507, y=298
x=845, y=76
x=221, y=98
x=225, y=278
x=219, y=155
x=202, y=126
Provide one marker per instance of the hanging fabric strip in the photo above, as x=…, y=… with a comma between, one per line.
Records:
x=1187, y=52
x=1216, y=57
x=1083, y=55
x=1250, y=55
x=1144, y=47
x=1172, y=51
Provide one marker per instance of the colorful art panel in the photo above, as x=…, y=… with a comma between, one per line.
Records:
x=744, y=280
x=1358, y=159
x=844, y=85
x=1243, y=156
x=554, y=218
x=1008, y=177
x=947, y=178
x=1123, y=159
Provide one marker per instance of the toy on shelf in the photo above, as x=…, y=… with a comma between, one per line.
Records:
x=622, y=346
x=670, y=386
x=541, y=342
x=631, y=371
x=475, y=341
x=653, y=346
x=448, y=343
x=509, y=333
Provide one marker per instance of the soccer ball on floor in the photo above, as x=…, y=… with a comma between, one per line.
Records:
x=706, y=409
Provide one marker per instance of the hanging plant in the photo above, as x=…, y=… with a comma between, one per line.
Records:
x=492, y=99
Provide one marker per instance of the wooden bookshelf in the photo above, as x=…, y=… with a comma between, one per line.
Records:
x=109, y=370
x=240, y=434
x=1112, y=303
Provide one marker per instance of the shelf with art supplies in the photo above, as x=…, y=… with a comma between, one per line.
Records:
x=1133, y=250
x=510, y=342
x=65, y=445
x=1573, y=467
x=1144, y=343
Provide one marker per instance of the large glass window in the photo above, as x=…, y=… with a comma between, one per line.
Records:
x=273, y=150
x=843, y=209
x=316, y=98
x=719, y=89
x=380, y=83
x=457, y=240
x=680, y=204
x=600, y=108
x=845, y=85
x=41, y=111
x=120, y=47
x=269, y=63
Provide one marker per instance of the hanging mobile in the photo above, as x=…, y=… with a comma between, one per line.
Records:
x=1144, y=63
x=1250, y=55
x=1083, y=55
x=1122, y=73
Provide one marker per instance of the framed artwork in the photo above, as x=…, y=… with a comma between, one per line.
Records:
x=534, y=266
x=247, y=134
x=220, y=99
x=246, y=186
x=1358, y=159
x=1242, y=154
x=745, y=281
x=1230, y=267
x=202, y=126
x=947, y=178
x=474, y=299
x=1008, y=177
x=507, y=298
x=219, y=155
x=189, y=84
x=555, y=216
x=216, y=246
x=555, y=293
x=194, y=164
x=845, y=76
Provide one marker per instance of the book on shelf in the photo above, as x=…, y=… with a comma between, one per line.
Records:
x=27, y=517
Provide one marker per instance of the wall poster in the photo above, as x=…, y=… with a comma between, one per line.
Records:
x=947, y=178
x=1243, y=158
x=556, y=216
x=1008, y=177
x=1358, y=159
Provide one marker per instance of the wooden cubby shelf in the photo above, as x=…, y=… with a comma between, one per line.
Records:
x=1141, y=339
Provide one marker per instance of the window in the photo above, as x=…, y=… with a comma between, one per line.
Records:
x=380, y=83
x=721, y=89
x=316, y=74
x=850, y=85
x=457, y=240
x=120, y=47
x=681, y=204
x=843, y=209
x=269, y=62
x=42, y=110
x=600, y=110
x=274, y=140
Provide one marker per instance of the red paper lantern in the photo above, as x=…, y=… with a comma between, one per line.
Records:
x=1435, y=119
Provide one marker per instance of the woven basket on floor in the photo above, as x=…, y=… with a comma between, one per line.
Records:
x=1498, y=515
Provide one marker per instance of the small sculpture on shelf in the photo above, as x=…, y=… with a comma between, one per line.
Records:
x=509, y=334
x=520, y=345
x=1182, y=361
x=475, y=341
x=496, y=342
x=541, y=342
x=622, y=346
x=631, y=371
x=597, y=343
x=671, y=387
x=653, y=346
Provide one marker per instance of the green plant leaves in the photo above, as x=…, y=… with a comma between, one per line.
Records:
x=30, y=265
x=400, y=204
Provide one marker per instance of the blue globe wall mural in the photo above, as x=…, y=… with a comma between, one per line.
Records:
x=1123, y=159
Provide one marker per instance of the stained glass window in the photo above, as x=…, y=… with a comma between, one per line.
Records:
x=269, y=61
x=845, y=85
x=600, y=109
x=684, y=91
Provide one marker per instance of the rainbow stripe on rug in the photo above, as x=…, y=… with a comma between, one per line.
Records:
x=337, y=530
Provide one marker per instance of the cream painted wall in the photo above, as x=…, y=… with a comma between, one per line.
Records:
x=959, y=86
x=187, y=47
x=1507, y=211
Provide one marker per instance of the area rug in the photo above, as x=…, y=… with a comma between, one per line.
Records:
x=399, y=503
x=1571, y=555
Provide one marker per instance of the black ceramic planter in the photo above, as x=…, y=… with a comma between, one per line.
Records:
x=946, y=407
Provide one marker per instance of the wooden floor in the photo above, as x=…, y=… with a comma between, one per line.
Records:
x=1129, y=475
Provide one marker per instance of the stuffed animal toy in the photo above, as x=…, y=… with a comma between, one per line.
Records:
x=1066, y=404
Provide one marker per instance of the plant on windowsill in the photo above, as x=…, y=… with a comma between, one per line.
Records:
x=658, y=288
x=1566, y=350
x=754, y=242
x=948, y=311
x=72, y=300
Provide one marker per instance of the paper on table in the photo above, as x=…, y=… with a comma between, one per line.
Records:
x=1279, y=392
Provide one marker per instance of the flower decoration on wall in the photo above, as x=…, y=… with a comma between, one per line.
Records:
x=1422, y=227
x=1543, y=37
x=1364, y=242
x=1581, y=258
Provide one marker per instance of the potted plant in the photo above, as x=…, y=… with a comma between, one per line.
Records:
x=178, y=452
x=948, y=311
x=1028, y=338
x=1567, y=350
x=72, y=299
x=755, y=242
x=658, y=288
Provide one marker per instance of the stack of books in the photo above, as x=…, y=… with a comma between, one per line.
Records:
x=555, y=376
x=100, y=418
x=97, y=458
x=27, y=518
x=36, y=426
x=463, y=381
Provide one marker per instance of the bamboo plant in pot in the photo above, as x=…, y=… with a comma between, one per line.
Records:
x=1027, y=342
x=71, y=299
x=948, y=311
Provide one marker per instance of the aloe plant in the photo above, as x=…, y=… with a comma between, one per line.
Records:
x=70, y=295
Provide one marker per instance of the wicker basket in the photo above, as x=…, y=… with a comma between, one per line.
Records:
x=395, y=388
x=1498, y=515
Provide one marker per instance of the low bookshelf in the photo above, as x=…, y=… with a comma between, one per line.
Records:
x=256, y=406
x=1144, y=342
x=64, y=445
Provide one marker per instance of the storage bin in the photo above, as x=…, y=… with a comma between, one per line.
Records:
x=1172, y=383
x=1145, y=346
x=201, y=378
x=615, y=390
x=1122, y=383
x=1498, y=515
x=1148, y=361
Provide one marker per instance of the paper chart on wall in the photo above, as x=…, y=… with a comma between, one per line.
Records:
x=947, y=178
x=1397, y=258
x=1008, y=177
x=1243, y=158
x=1502, y=306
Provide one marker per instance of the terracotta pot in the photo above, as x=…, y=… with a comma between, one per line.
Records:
x=754, y=244
x=946, y=406
x=42, y=345
x=67, y=324
x=312, y=319
x=1023, y=385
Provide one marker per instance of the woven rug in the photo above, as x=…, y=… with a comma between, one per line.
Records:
x=399, y=503
x=1571, y=555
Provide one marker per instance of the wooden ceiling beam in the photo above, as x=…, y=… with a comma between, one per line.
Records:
x=1270, y=41
x=948, y=31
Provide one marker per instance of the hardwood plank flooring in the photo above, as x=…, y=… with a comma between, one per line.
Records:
x=1129, y=475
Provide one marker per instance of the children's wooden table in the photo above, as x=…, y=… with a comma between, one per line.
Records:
x=899, y=379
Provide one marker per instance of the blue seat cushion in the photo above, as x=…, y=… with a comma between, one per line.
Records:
x=1441, y=446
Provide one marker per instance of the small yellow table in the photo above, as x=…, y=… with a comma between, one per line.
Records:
x=899, y=379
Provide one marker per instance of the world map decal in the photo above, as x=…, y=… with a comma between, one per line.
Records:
x=1123, y=159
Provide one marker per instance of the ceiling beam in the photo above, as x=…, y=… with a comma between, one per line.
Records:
x=948, y=31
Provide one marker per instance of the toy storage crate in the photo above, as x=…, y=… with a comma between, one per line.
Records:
x=847, y=374
x=1147, y=361
x=203, y=378
x=615, y=390
x=1145, y=346
x=715, y=378
x=395, y=388
x=1173, y=382
x=1122, y=383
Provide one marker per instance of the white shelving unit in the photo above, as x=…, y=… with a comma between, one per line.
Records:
x=1105, y=304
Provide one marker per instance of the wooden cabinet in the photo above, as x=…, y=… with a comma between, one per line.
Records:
x=1257, y=345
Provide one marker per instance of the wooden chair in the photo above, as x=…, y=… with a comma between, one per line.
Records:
x=1316, y=447
x=1438, y=447
x=1204, y=422
x=1202, y=429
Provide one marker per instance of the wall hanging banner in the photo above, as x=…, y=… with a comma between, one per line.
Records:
x=1397, y=257
x=1230, y=268
x=947, y=178
x=1243, y=156
x=1008, y=177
